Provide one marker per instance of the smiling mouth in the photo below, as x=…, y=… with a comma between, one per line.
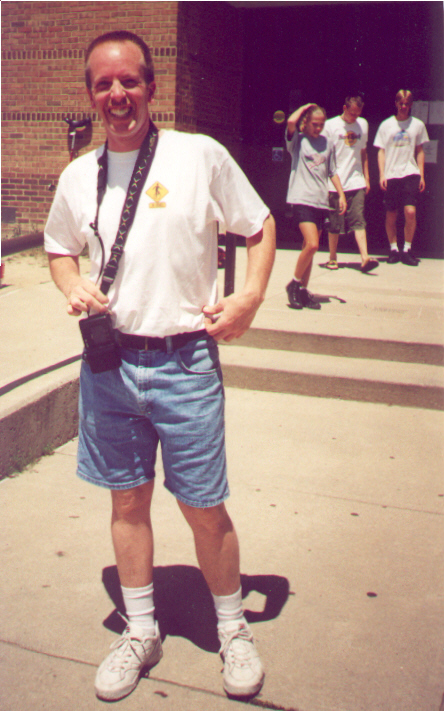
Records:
x=120, y=112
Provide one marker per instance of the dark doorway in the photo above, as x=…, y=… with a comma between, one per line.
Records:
x=295, y=53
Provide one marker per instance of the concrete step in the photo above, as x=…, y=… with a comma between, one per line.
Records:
x=39, y=411
x=409, y=374
x=378, y=338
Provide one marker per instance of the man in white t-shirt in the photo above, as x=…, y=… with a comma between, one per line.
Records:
x=401, y=159
x=166, y=318
x=349, y=133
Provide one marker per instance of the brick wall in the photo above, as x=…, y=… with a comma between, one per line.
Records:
x=197, y=50
x=210, y=71
x=43, y=46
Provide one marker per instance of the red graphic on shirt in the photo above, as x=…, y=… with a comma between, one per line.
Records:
x=315, y=160
x=351, y=138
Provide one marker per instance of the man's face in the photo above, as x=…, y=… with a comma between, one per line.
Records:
x=315, y=125
x=403, y=106
x=351, y=113
x=120, y=94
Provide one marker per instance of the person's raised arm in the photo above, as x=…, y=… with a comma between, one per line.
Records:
x=381, y=166
x=420, y=159
x=81, y=293
x=233, y=315
x=295, y=117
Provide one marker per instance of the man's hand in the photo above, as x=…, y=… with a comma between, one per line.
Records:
x=84, y=296
x=235, y=313
x=366, y=174
x=342, y=204
x=420, y=159
x=231, y=316
x=81, y=293
x=342, y=199
x=381, y=166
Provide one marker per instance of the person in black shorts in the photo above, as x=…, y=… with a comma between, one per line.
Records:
x=312, y=163
x=401, y=161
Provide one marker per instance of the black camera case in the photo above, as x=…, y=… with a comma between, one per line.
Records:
x=102, y=350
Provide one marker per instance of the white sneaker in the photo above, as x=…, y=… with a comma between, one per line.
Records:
x=119, y=673
x=243, y=670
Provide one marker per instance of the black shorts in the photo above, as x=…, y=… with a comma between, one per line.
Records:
x=401, y=192
x=307, y=213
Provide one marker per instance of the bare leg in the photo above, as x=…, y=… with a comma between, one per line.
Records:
x=140, y=644
x=410, y=223
x=132, y=535
x=310, y=246
x=217, y=547
x=361, y=241
x=217, y=551
x=333, y=239
x=390, y=225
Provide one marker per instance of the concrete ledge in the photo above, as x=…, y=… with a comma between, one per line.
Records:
x=19, y=244
x=39, y=412
x=38, y=417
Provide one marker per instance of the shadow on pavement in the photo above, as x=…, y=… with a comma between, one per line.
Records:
x=184, y=605
x=354, y=265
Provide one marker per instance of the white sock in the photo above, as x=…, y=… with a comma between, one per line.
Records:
x=229, y=608
x=298, y=281
x=394, y=247
x=407, y=246
x=139, y=605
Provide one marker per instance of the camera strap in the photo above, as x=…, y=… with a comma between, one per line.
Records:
x=138, y=178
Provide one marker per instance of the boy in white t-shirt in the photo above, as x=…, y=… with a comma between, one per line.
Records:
x=401, y=161
x=349, y=134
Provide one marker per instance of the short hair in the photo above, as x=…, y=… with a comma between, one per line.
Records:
x=121, y=36
x=358, y=100
x=404, y=94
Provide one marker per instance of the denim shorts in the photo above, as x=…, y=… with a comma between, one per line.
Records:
x=354, y=217
x=176, y=398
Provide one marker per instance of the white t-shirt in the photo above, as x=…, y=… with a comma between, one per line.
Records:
x=168, y=270
x=312, y=162
x=349, y=140
x=399, y=140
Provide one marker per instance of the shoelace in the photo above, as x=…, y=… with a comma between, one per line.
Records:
x=123, y=648
x=236, y=645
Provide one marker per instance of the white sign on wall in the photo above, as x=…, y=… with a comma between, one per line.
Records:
x=436, y=112
x=431, y=152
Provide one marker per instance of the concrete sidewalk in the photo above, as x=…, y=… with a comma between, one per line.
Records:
x=335, y=444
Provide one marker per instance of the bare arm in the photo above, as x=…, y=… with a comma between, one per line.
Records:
x=420, y=159
x=342, y=201
x=295, y=117
x=82, y=294
x=381, y=166
x=364, y=161
x=237, y=311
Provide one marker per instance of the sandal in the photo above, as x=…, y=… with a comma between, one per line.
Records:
x=332, y=264
x=369, y=265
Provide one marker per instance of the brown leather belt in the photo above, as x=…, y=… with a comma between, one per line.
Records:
x=149, y=343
